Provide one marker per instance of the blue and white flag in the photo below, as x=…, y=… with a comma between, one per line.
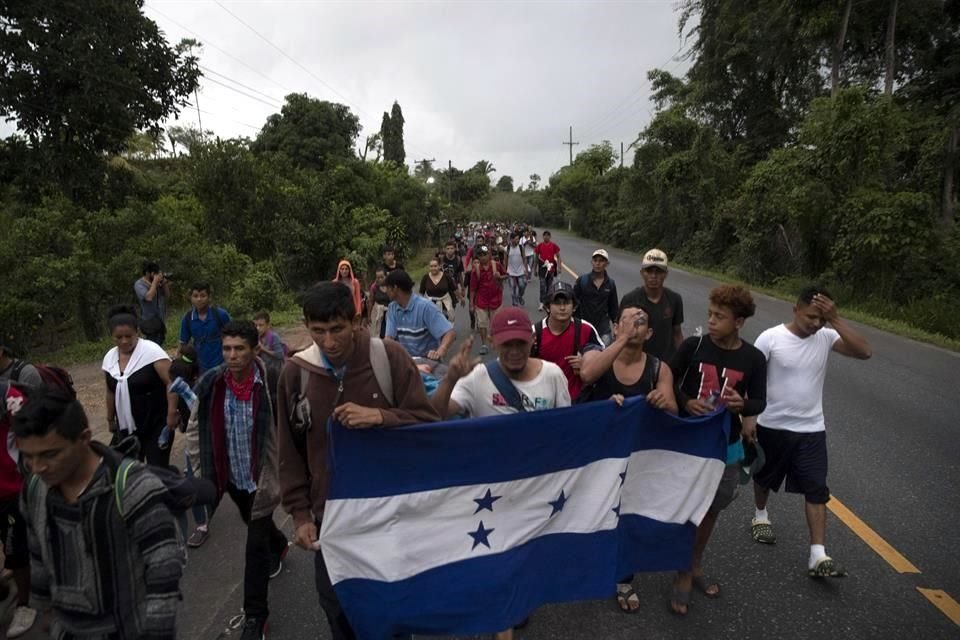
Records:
x=468, y=526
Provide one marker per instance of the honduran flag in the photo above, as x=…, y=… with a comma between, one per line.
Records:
x=467, y=526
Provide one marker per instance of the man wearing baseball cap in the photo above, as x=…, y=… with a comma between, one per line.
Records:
x=473, y=391
x=664, y=306
x=597, y=300
x=562, y=339
x=486, y=291
x=514, y=382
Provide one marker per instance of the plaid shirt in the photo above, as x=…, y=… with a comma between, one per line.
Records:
x=239, y=427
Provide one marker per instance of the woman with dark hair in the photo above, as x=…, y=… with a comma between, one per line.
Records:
x=137, y=374
x=439, y=288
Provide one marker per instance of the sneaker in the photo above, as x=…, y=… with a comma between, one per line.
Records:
x=254, y=629
x=283, y=554
x=23, y=619
x=198, y=537
x=483, y=349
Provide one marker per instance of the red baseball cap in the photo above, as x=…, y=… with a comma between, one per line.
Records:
x=511, y=323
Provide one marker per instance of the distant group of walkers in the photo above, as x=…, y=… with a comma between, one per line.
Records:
x=102, y=541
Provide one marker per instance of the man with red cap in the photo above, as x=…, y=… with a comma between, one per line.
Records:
x=487, y=390
x=514, y=382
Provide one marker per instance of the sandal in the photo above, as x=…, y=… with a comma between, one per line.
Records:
x=702, y=584
x=627, y=599
x=762, y=532
x=680, y=598
x=827, y=568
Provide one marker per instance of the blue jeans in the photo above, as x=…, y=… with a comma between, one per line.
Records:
x=518, y=285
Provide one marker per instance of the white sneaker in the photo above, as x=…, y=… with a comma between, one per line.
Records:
x=23, y=619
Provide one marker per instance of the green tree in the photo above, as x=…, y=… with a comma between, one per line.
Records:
x=313, y=133
x=81, y=78
x=391, y=131
x=505, y=184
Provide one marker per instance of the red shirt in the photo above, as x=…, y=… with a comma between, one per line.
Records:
x=548, y=252
x=485, y=289
x=555, y=348
x=10, y=480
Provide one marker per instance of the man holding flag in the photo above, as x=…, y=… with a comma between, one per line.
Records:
x=340, y=377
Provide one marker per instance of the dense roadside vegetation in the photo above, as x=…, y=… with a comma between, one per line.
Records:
x=93, y=184
x=808, y=141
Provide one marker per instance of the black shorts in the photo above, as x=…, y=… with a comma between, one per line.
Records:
x=801, y=458
x=13, y=530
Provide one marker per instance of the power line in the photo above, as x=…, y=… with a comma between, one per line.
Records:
x=274, y=105
x=598, y=124
x=286, y=55
x=306, y=70
x=205, y=42
x=239, y=84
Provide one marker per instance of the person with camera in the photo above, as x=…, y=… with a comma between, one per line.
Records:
x=153, y=291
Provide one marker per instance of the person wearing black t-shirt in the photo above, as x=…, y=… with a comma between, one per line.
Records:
x=719, y=370
x=664, y=305
x=452, y=265
x=623, y=370
x=390, y=262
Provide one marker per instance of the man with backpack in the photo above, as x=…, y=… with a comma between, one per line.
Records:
x=561, y=338
x=347, y=376
x=202, y=326
x=233, y=442
x=13, y=368
x=108, y=560
x=596, y=293
x=13, y=528
x=517, y=269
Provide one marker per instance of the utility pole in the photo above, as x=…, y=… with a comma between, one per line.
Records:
x=196, y=102
x=621, y=154
x=571, y=144
x=449, y=181
x=423, y=163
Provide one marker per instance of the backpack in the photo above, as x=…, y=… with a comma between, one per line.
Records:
x=181, y=492
x=301, y=418
x=538, y=337
x=53, y=377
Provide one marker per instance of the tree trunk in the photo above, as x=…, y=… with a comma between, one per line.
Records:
x=948, y=210
x=891, y=51
x=838, y=51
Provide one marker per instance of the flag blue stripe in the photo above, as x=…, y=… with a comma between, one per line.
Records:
x=499, y=449
x=469, y=597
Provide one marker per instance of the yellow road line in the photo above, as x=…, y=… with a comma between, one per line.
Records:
x=569, y=270
x=893, y=557
x=942, y=600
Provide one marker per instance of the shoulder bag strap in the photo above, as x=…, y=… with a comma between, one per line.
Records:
x=504, y=386
x=381, y=369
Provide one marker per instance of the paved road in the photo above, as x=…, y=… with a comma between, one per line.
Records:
x=895, y=463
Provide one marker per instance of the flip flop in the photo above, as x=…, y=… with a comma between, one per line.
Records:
x=702, y=584
x=626, y=596
x=679, y=598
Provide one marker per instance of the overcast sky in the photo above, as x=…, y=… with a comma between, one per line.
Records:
x=501, y=81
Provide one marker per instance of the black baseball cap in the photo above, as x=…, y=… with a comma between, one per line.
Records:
x=561, y=289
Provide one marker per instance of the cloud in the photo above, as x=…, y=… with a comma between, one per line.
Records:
x=501, y=81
